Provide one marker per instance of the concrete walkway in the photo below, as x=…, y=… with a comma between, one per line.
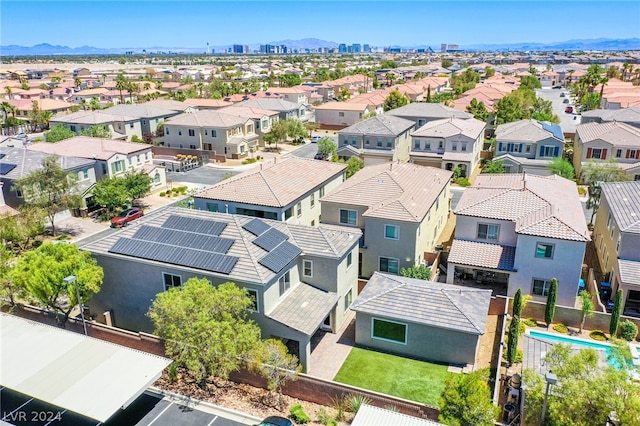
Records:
x=329, y=351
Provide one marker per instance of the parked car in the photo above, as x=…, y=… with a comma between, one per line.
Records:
x=562, y=95
x=566, y=101
x=124, y=217
x=21, y=135
x=568, y=109
x=315, y=139
x=557, y=87
x=275, y=421
x=320, y=156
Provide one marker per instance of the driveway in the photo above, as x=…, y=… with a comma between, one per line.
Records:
x=568, y=122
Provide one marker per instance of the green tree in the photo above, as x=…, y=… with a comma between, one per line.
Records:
x=550, y=307
x=58, y=133
x=561, y=167
x=19, y=231
x=271, y=359
x=394, y=100
x=121, y=84
x=344, y=94
x=206, y=329
x=327, y=147
x=97, y=131
x=530, y=81
x=478, y=109
x=508, y=109
x=111, y=193
x=466, y=400
x=512, y=339
x=493, y=167
x=9, y=293
x=289, y=80
x=587, y=307
x=40, y=276
x=615, y=314
x=595, y=174
x=50, y=188
x=517, y=304
x=137, y=185
x=446, y=63
x=420, y=272
x=354, y=165
x=489, y=72
x=296, y=129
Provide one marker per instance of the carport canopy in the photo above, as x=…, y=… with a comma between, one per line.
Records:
x=88, y=376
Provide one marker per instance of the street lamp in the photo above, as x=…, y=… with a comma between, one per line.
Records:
x=72, y=279
x=551, y=379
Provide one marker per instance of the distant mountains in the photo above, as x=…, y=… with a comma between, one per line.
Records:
x=45, y=49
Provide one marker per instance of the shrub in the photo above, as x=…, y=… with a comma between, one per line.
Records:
x=518, y=358
x=162, y=194
x=356, y=401
x=324, y=417
x=298, y=415
x=560, y=328
x=582, y=191
x=136, y=139
x=598, y=335
x=464, y=182
x=249, y=161
x=521, y=328
x=530, y=322
x=172, y=372
x=339, y=404
x=628, y=330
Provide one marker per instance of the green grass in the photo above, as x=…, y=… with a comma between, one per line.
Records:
x=393, y=375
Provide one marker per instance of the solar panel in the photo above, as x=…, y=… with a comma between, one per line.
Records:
x=554, y=129
x=1, y=156
x=214, y=262
x=280, y=257
x=184, y=239
x=270, y=239
x=196, y=225
x=6, y=168
x=256, y=226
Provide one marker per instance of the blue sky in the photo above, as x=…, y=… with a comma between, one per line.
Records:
x=379, y=23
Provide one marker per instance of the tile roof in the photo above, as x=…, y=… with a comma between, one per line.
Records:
x=483, y=255
x=213, y=103
x=429, y=303
x=92, y=117
x=629, y=271
x=399, y=191
x=27, y=161
x=625, y=115
x=539, y=205
x=169, y=104
x=428, y=110
x=273, y=104
x=274, y=184
x=528, y=131
x=368, y=415
x=248, y=112
x=449, y=127
x=342, y=106
x=207, y=118
x=613, y=132
x=87, y=147
x=330, y=242
x=380, y=125
x=623, y=199
x=144, y=110
x=304, y=308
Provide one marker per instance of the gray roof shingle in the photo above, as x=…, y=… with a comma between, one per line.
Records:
x=26, y=161
x=428, y=111
x=380, y=125
x=629, y=271
x=304, y=308
x=623, y=199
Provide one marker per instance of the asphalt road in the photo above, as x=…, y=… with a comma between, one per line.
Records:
x=568, y=122
x=306, y=151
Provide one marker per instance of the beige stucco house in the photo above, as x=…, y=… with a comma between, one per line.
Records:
x=337, y=115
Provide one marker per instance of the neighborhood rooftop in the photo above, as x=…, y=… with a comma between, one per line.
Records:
x=88, y=147
x=427, y=109
x=614, y=132
x=380, y=125
x=450, y=127
x=624, y=203
x=528, y=131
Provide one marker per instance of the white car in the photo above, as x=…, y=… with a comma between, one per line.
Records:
x=21, y=135
x=315, y=139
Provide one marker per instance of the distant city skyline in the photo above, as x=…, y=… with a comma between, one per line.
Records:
x=148, y=24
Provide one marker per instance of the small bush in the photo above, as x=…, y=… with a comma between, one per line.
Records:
x=162, y=194
x=298, y=415
x=518, y=358
x=560, y=328
x=530, y=322
x=521, y=328
x=464, y=182
x=324, y=417
x=249, y=161
x=172, y=372
x=136, y=139
x=339, y=404
x=356, y=401
x=628, y=330
x=582, y=191
x=598, y=335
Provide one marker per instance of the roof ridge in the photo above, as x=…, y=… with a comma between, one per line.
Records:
x=472, y=322
x=484, y=200
x=246, y=242
x=266, y=181
x=329, y=243
x=378, y=295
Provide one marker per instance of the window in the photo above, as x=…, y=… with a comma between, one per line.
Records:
x=354, y=140
x=117, y=166
x=427, y=145
x=527, y=148
x=85, y=174
x=307, y=268
x=130, y=125
x=463, y=146
x=549, y=151
x=609, y=217
x=454, y=146
x=348, y=299
x=214, y=133
x=340, y=114
x=192, y=147
x=253, y=294
x=388, y=330
x=312, y=200
x=156, y=178
x=322, y=192
x=595, y=153
x=366, y=142
x=171, y=280
x=299, y=209
x=389, y=143
x=541, y=287
x=284, y=283
x=488, y=232
x=544, y=251
x=348, y=216
x=379, y=142
x=179, y=132
x=212, y=207
x=288, y=213
x=389, y=264
x=440, y=144
x=391, y=232
x=416, y=144
x=192, y=132
x=349, y=259
x=618, y=153
x=166, y=130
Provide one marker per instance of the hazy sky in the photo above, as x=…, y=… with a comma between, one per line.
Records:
x=146, y=24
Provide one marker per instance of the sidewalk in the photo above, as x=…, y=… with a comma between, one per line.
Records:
x=329, y=351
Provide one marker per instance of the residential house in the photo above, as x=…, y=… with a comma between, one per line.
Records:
x=598, y=142
x=149, y=116
x=16, y=163
x=630, y=116
x=616, y=236
x=201, y=104
x=520, y=230
x=25, y=106
x=421, y=113
x=401, y=209
x=302, y=278
x=112, y=157
x=421, y=319
x=286, y=109
x=120, y=126
x=338, y=115
x=528, y=146
x=102, y=94
x=172, y=105
x=287, y=190
x=450, y=143
x=374, y=99
x=81, y=72
x=263, y=119
x=5, y=210
x=292, y=94
x=211, y=130
x=381, y=138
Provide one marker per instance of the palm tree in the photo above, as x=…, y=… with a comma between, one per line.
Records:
x=9, y=91
x=83, y=104
x=626, y=70
x=121, y=84
x=77, y=82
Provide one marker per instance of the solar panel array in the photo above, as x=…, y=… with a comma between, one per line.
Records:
x=199, y=259
x=184, y=239
x=6, y=168
x=270, y=239
x=280, y=257
x=196, y=225
x=256, y=227
x=553, y=129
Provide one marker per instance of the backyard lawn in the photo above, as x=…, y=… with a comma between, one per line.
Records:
x=393, y=375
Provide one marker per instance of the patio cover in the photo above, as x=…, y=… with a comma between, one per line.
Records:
x=72, y=371
x=305, y=308
x=482, y=255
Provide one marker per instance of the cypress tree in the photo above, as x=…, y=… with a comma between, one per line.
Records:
x=517, y=304
x=615, y=314
x=550, y=309
x=512, y=346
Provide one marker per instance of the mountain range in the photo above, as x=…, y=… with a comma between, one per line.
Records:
x=45, y=49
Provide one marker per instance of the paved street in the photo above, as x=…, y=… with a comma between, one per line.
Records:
x=568, y=122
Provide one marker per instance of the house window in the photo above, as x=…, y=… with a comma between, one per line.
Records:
x=609, y=217
x=117, y=167
x=166, y=130
x=354, y=140
x=618, y=243
x=171, y=280
x=618, y=153
x=340, y=114
x=85, y=173
x=288, y=213
x=379, y=142
x=549, y=151
x=313, y=199
x=427, y=145
x=541, y=287
x=214, y=133
x=416, y=144
x=596, y=153
x=212, y=207
x=179, y=132
x=253, y=294
x=144, y=122
x=391, y=232
x=544, y=251
x=349, y=259
x=366, y=142
x=299, y=209
x=463, y=147
x=284, y=283
x=130, y=125
x=389, y=264
x=440, y=145
x=389, y=143
x=156, y=178
x=527, y=148
x=348, y=299
x=348, y=217
x=307, y=268
x=390, y=331
x=454, y=146
x=192, y=132
x=192, y=146
x=322, y=192
x=488, y=232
